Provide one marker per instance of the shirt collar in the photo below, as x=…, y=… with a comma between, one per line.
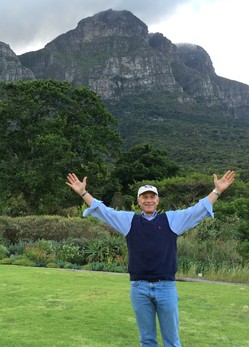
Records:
x=151, y=217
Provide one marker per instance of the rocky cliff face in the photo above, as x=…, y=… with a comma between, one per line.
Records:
x=11, y=68
x=109, y=52
x=114, y=55
x=199, y=80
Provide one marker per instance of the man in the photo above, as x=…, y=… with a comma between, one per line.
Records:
x=151, y=239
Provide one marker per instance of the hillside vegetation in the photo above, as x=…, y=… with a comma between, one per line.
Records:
x=195, y=137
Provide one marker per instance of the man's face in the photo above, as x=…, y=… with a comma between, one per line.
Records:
x=148, y=202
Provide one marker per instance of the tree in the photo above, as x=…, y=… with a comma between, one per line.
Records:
x=143, y=162
x=48, y=129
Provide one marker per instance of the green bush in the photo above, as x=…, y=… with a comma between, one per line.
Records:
x=70, y=253
x=38, y=256
x=3, y=251
x=7, y=261
x=184, y=264
x=57, y=228
x=100, y=266
x=109, y=249
x=243, y=250
x=23, y=262
x=17, y=248
x=52, y=265
x=72, y=266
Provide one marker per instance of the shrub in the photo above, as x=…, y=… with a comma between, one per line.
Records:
x=100, y=266
x=38, y=256
x=48, y=246
x=7, y=261
x=184, y=264
x=23, y=262
x=3, y=251
x=72, y=266
x=109, y=249
x=52, y=265
x=243, y=250
x=70, y=253
x=57, y=228
x=60, y=263
x=17, y=248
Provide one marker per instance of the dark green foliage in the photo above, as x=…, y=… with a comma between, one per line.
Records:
x=179, y=192
x=108, y=249
x=243, y=250
x=185, y=263
x=16, y=248
x=238, y=207
x=49, y=129
x=143, y=162
x=197, y=137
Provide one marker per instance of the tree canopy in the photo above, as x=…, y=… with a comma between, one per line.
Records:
x=143, y=162
x=48, y=129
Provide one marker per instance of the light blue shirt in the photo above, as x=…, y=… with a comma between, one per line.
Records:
x=179, y=220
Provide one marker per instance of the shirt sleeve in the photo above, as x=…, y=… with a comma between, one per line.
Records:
x=182, y=220
x=118, y=220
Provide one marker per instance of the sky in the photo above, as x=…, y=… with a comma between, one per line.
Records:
x=219, y=26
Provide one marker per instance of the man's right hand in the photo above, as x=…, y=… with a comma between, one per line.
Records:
x=78, y=186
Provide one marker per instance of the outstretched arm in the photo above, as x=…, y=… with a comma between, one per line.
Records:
x=182, y=220
x=79, y=187
x=220, y=185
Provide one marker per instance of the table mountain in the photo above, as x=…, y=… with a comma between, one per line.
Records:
x=113, y=54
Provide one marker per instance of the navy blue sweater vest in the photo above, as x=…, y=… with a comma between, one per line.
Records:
x=152, y=248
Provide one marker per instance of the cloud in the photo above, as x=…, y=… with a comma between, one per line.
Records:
x=30, y=24
x=220, y=27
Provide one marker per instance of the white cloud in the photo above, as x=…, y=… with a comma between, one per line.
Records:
x=27, y=23
x=220, y=27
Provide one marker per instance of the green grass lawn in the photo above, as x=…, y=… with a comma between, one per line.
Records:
x=42, y=307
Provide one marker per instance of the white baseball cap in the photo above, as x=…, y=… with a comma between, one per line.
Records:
x=147, y=188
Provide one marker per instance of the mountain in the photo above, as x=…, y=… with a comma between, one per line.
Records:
x=165, y=94
x=109, y=52
x=11, y=68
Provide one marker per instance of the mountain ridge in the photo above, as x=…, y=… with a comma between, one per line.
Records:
x=113, y=54
x=164, y=93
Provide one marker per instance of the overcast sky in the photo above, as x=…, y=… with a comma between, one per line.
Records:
x=221, y=27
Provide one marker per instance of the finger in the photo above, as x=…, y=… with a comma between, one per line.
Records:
x=70, y=178
x=230, y=176
x=75, y=178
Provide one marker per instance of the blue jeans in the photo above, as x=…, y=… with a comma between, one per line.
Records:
x=151, y=299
